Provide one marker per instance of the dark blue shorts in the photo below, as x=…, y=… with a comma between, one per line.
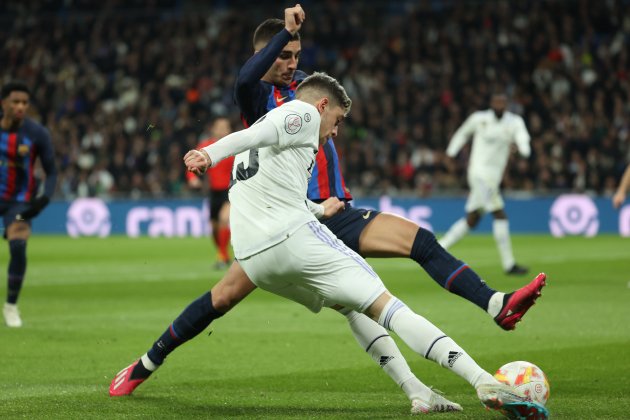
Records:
x=8, y=211
x=217, y=199
x=348, y=224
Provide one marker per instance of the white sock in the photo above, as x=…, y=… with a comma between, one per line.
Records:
x=455, y=233
x=148, y=364
x=496, y=304
x=501, y=230
x=383, y=350
x=430, y=342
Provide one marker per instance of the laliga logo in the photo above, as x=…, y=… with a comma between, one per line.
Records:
x=574, y=214
x=88, y=217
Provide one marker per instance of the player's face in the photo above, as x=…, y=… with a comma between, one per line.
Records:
x=221, y=128
x=498, y=103
x=15, y=105
x=330, y=120
x=282, y=70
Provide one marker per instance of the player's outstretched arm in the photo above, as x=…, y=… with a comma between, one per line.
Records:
x=261, y=134
x=522, y=138
x=461, y=136
x=624, y=185
x=248, y=91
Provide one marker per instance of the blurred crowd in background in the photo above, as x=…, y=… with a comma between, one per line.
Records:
x=127, y=87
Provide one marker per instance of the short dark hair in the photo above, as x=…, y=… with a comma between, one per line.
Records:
x=323, y=83
x=268, y=29
x=14, y=86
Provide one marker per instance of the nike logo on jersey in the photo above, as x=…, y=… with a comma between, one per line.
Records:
x=282, y=99
x=366, y=215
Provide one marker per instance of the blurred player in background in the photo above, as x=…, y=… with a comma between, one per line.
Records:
x=493, y=132
x=624, y=186
x=22, y=142
x=218, y=186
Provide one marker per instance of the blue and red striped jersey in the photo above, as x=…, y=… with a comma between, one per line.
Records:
x=18, y=153
x=256, y=97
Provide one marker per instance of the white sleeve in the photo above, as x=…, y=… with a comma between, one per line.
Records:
x=261, y=134
x=317, y=209
x=299, y=127
x=462, y=135
x=522, y=138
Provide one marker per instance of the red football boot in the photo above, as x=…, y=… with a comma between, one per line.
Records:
x=519, y=303
x=124, y=383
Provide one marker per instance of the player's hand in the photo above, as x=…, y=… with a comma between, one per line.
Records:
x=332, y=206
x=35, y=207
x=197, y=161
x=293, y=18
x=618, y=199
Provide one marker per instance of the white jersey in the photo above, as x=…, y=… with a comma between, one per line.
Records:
x=268, y=199
x=492, y=138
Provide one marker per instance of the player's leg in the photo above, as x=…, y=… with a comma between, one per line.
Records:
x=380, y=346
x=223, y=225
x=393, y=236
x=219, y=222
x=17, y=234
x=460, y=228
x=309, y=268
x=226, y=294
x=389, y=235
x=431, y=343
x=475, y=204
x=501, y=231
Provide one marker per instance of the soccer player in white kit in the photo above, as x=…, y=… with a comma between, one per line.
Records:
x=493, y=132
x=285, y=250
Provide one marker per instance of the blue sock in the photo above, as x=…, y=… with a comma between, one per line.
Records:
x=193, y=320
x=17, y=268
x=449, y=272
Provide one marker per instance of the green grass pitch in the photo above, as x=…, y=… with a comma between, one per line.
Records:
x=91, y=306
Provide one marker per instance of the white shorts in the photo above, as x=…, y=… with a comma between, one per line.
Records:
x=484, y=195
x=314, y=268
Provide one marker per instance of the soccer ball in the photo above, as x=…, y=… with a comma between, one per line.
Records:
x=526, y=377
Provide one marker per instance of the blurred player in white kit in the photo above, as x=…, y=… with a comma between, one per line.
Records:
x=493, y=131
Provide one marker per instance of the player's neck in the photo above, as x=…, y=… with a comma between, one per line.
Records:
x=8, y=124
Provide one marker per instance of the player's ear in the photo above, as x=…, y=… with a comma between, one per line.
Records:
x=322, y=105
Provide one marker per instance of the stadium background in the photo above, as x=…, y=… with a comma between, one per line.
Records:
x=126, y=87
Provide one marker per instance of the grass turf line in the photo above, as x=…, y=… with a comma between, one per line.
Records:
x=91, y=306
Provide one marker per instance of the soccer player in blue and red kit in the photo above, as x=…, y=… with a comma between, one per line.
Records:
x=267, y=80
x=22, y=141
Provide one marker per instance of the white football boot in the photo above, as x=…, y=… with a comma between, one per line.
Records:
x=436, y=404
x=11, y=315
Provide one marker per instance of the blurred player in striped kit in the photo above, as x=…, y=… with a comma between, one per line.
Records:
x=218, y=186
x=22, y=142
x=493, y=132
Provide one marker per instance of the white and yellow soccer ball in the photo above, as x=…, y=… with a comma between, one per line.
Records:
x=526, y=377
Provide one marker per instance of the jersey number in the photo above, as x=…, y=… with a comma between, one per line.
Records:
x=243, y=173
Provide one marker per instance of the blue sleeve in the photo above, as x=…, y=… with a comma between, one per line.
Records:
x=47, y=158
x=249, y=94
